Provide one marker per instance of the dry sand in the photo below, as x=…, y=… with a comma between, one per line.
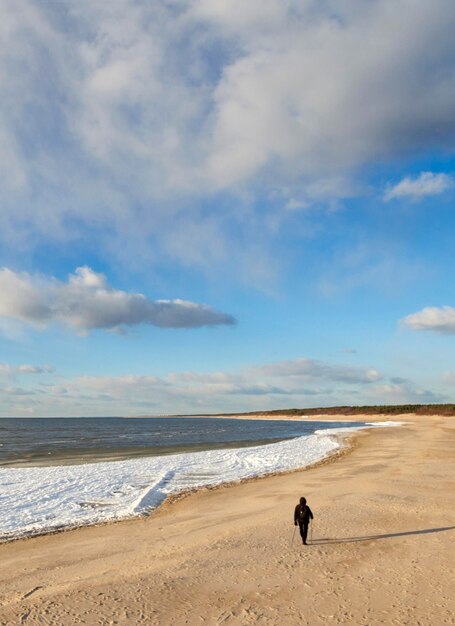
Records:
x=382, y=549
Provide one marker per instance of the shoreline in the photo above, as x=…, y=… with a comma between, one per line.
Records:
x=347, y=444
x=344, y=438
x=384, y=527
x=60, y=457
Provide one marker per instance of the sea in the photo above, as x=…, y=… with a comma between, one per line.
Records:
x=58, y=473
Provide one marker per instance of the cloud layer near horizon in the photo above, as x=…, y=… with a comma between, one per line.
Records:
x=298, y=382
x=88, y=302
x=130, y=113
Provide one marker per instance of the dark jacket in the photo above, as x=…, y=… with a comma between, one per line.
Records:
x=302, y=514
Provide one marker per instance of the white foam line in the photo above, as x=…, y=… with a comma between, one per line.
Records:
x=383, y=424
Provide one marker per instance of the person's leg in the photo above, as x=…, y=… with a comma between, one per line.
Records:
x=304, y=534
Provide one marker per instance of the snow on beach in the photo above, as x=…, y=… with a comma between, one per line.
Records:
x=36, y=500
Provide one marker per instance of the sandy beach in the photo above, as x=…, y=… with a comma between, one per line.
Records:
x=382, y=550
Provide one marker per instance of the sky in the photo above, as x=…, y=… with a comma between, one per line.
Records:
x=225, y=205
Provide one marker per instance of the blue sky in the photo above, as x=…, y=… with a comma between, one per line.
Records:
x=223, y=205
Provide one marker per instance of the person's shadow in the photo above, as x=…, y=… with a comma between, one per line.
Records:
x=336, y=540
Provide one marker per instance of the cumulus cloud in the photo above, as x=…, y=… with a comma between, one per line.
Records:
x=302, y=97
x=86, y=302
x=438, y=319
x=147, y=107
x=426, y=184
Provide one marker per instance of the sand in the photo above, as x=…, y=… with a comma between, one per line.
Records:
x=382, y=549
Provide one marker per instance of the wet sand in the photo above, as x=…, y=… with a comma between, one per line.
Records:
x=382, y=549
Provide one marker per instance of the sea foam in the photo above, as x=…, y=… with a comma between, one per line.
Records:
x=36, y=500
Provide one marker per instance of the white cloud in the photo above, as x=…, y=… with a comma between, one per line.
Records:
x=297, y=205
x=9, y=370
x=440, y=320
x=17, y=391
x=88, y=302
x=292, y=383
x=313, y=94
x=210, y=378
x=128, y=113
x=406, y=392
x=426, y=184
x=298, y=378
x=35, y=369
x=309, y=368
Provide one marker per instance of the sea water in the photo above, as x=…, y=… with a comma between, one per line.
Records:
x=53, y=476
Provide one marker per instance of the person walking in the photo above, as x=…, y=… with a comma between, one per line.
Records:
x=302, y=516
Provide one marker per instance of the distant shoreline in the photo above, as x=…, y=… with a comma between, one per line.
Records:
x=326, y=413
x=289, y=418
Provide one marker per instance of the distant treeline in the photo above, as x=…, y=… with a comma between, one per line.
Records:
x=418, y=409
